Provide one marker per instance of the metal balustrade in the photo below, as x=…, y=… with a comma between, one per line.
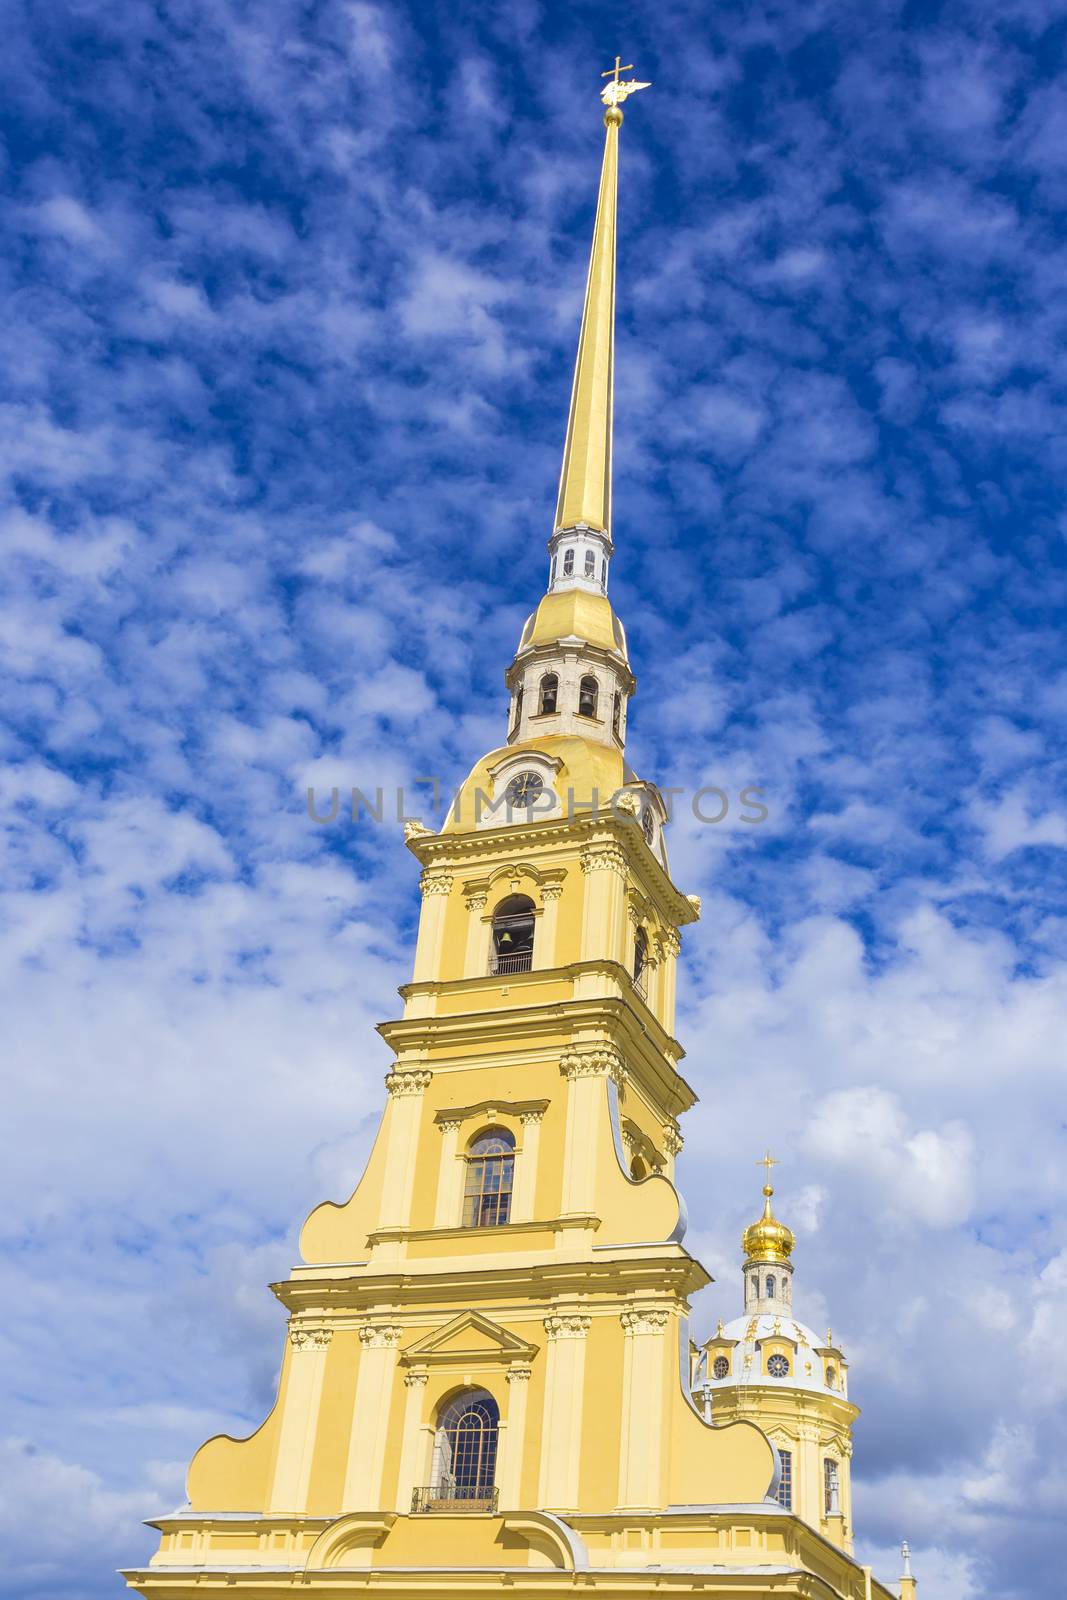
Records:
x=519, y=961
x=455, y=1497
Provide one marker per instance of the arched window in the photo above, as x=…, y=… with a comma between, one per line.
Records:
x=590, y=564
x=588, y=692
x=640, y=961
x=549, y=693
x=552, y=573
x=785, y=1482
x=720, y=1367
x=568, y=563
x=465, y=1444
x=490, y=1170
x=604, y=573
x=638, y=1169
x=831, y=1377
x=616, y=713
x=770, y=1288
x=778, y=1366
x=513, y=935
x=518, y=706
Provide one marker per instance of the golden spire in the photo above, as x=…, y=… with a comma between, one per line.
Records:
x=585, y=481
x=768, y=1239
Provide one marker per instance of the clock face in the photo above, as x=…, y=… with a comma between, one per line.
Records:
x=524, y=789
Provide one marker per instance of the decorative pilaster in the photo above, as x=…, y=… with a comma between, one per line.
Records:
x=509, y=1470
x=450, y=1176
x=561, y=1434
x=406, y=1089
x=672, y=946
x=523, y=1198
x=300, y=1417
x=436, y=886
x=642, y=1451
x=586, y=1070
x=604, y=870
x=544, y=953
x=370, y=1416
x=409, y=1477
x=476, y=955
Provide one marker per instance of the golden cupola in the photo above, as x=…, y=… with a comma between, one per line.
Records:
x=768, y=1240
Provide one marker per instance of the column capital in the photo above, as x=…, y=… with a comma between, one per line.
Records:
x=672, y=942
x=603, y=858
x=416, y=1380
x=475, y=902
x=309, y=1338
x=567, y=1325
x=592, y=1061
x=534, y=1115
x=672, y=1139
x=649, y=1320
x=517, y=1375
x=449, y=1124
x=436, y=883
x=379, y=1336
x=551, y=891
x=407, y=1081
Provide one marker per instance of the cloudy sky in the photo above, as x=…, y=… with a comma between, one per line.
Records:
x=290, y=297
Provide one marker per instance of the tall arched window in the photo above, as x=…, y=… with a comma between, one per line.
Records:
x=785, y=1482
x=590, y=564
x=616, y=713
x=770, y=1288
x=549, y=692
x=640, y=961
x=518, y=706
x=588, y=693
x=490, y=1171
x=568, y=563
x=513, y=935
x=638, y=1170
x=465, y=1445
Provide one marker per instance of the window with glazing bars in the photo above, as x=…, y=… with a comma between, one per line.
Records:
x=468, y=1431
x=490, y=1172
x=785, y=1482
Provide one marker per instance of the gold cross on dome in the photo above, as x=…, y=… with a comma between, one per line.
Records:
x=768, y=1161
x=613, y=72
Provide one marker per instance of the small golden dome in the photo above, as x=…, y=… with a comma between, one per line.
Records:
x=768, y=1239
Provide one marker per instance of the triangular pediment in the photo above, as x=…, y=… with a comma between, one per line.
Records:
x=469, y=1335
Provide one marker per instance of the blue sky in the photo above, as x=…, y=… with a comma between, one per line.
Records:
x=290, y=297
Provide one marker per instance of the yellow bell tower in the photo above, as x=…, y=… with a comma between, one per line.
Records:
x=485, y=1385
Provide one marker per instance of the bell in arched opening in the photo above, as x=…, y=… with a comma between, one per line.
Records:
x=513, y=935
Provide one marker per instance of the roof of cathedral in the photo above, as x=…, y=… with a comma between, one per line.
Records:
x=575, y=613
x=806, y=1370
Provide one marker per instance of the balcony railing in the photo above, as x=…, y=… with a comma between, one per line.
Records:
x=519, y=961
x=454, y=1497
x=640, y=983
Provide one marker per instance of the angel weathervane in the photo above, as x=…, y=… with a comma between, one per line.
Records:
x=614, y=93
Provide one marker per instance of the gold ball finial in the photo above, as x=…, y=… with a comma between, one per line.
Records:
x=613, y=118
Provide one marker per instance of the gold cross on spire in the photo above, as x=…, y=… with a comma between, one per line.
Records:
x=614, y=93
x=768, y=1161
x=616, y=69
